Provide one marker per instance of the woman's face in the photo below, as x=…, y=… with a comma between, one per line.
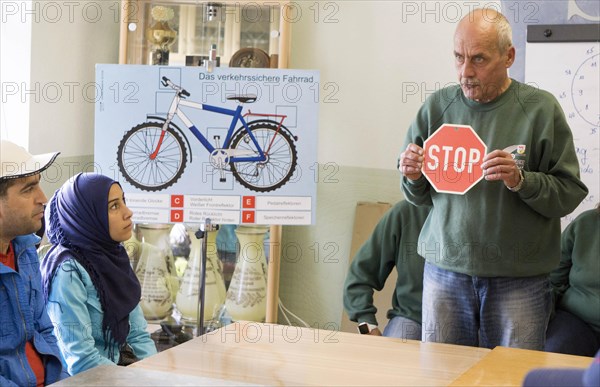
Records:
x=119, y=216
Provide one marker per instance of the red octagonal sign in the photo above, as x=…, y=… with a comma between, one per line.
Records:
x=453, y=157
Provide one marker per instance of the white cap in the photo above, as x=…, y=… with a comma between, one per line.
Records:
x=16, y=162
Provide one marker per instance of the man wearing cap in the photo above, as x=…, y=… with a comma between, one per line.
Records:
x=28, y=350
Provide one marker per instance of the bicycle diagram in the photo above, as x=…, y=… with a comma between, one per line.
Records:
x=258, y=149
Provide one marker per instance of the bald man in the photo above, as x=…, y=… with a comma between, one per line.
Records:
x=489, y=252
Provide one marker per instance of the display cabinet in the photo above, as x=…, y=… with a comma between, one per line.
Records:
x=243, y=33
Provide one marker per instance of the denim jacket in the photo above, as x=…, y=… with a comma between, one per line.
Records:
x=23, y=318
x=74, y=307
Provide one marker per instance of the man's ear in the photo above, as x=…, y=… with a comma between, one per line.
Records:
x=510, y=56
x=2, y=204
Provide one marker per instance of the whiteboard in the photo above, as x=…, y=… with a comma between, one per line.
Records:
x=571, y=71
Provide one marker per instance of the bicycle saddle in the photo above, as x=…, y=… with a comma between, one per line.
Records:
x=248, y=98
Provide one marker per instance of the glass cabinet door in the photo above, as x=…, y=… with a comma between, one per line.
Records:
x=245, y=33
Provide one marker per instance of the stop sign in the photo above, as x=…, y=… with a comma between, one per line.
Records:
x=453, y=157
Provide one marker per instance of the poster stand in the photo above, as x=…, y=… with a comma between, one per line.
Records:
x=282, y=62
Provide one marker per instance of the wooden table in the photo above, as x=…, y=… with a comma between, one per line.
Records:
x=508, y=366
x=247, y=353
x=268, y=354
x=112, y=376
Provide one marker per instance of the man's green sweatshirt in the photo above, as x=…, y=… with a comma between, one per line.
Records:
x=576, y=281
x=393, y=244
x=491, y=231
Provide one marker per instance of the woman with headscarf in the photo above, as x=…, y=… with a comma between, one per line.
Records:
x=91, y=290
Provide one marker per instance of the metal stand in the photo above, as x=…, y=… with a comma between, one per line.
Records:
x=208, y=226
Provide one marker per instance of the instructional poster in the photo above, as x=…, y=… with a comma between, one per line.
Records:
x=235, y=145
x=571, y=71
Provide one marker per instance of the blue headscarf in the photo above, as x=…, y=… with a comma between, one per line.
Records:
x=77, y=227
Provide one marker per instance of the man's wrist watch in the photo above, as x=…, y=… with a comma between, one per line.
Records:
x=364, y=328
x=519, y=185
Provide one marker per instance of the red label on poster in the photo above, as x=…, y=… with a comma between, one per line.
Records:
x=248, y=201
x=176, y=200
x=247, y=216
x=176, y=216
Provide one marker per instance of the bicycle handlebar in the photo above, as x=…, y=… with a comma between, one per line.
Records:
x=167, y=82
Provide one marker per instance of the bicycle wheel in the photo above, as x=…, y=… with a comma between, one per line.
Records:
x=133, y=157
x=276, y=170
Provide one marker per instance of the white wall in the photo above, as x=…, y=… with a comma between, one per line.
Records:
x=68, y=39
x=15, y=66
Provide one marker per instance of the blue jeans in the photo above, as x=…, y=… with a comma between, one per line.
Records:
x=569, y=334
x=485, y=311
x=403, y=328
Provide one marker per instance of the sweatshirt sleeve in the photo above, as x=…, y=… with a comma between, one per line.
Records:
x=553, y=187
x=417, y=191
x=369, y=270
x=560, y=276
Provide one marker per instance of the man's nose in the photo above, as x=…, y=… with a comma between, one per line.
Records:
x=41, y=196
x=466, y=70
